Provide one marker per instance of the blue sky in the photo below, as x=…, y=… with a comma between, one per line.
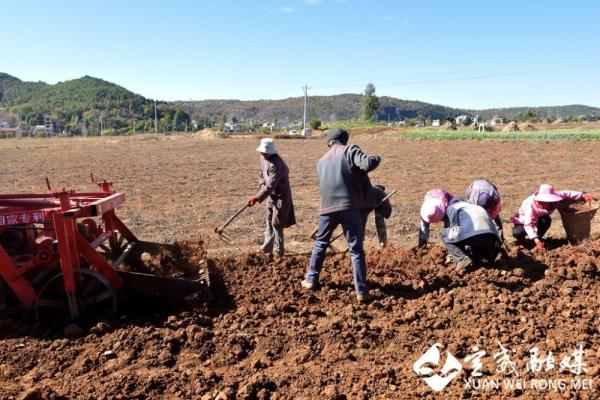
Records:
x=472, y=54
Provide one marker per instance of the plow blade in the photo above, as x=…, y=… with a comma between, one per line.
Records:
x=138, y=286
x=157, y=271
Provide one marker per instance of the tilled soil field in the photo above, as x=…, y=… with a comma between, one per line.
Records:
x=264, y=337
x=181, y=187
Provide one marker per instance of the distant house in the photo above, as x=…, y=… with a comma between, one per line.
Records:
x=497, y=120
x=232, y=127
x=4, y=125
x=462, y=119
x=11, y=132
x=271, y=126
x=401, y=122
x=435, y=123
x=306, y=132
x=46, y=130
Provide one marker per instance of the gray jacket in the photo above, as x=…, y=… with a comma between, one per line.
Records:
x=467, y=220
x=343, y=180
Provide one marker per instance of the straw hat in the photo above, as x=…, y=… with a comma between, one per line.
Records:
x=547, y=194
x=267, y=146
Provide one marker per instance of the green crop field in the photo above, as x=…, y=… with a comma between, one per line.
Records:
x=535, y=135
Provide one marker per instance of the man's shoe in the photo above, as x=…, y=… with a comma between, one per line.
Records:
x=308, y=285
x=363, y=298
x=463, y=264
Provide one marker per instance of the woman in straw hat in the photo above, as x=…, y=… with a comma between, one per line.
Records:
x=274, y=187
x=533, y=219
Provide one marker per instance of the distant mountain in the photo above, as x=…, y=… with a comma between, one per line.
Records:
x=81, y=95
x=85, y=104
x=347, y=106
x=551, y=112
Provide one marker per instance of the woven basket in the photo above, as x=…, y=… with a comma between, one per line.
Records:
x=577, y=219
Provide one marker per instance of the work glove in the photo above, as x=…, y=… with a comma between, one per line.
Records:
x=539, y=244
x=588, y=197
x=252, y=201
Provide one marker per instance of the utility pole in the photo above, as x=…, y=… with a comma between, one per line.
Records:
x=155, y=119
x=305, y=88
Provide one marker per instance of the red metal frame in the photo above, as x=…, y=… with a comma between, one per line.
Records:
x=59, y=213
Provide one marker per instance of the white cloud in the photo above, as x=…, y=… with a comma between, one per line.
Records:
x=287, y=9
x=389, y=17
x=312, y=2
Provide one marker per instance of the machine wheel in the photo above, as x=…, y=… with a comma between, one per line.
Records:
x=96, y=298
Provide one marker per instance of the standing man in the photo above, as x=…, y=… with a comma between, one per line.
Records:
x=346, y=192
x=274, y=186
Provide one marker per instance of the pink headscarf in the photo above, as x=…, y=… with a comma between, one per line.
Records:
x=435, y=204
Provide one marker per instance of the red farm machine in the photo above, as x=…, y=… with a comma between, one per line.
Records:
x=66, y=254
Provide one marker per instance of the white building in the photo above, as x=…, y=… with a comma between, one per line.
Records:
x=460, y=120
x=232, y=127
x=497, y=120
x=435, y=123
x=48, y=130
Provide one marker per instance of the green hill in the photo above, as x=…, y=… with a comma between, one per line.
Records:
x=84, y=105
x=79, y=105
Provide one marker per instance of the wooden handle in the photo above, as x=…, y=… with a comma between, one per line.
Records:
x=234, y=216
x=387, y=197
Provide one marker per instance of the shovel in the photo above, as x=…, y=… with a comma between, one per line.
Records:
x=220, y=229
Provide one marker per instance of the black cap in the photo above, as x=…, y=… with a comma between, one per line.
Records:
x=338, y=134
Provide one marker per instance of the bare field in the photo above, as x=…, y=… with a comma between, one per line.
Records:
x=182, y=186
x=263, y=337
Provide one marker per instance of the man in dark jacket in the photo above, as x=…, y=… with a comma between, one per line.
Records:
x=346, y=192
x=274, y=186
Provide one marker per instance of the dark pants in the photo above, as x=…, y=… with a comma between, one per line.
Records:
x=543, y=224
x=478, y=248
x=273, y=236
x=352, y=224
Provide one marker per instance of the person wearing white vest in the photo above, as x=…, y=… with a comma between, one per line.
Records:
x=471, y=236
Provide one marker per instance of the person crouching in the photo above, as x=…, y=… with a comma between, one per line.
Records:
x=532, y=221
x=471, y=236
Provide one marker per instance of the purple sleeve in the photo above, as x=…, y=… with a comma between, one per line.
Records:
x=570, y=194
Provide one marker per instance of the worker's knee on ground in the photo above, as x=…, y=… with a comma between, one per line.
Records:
x=518, y=232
